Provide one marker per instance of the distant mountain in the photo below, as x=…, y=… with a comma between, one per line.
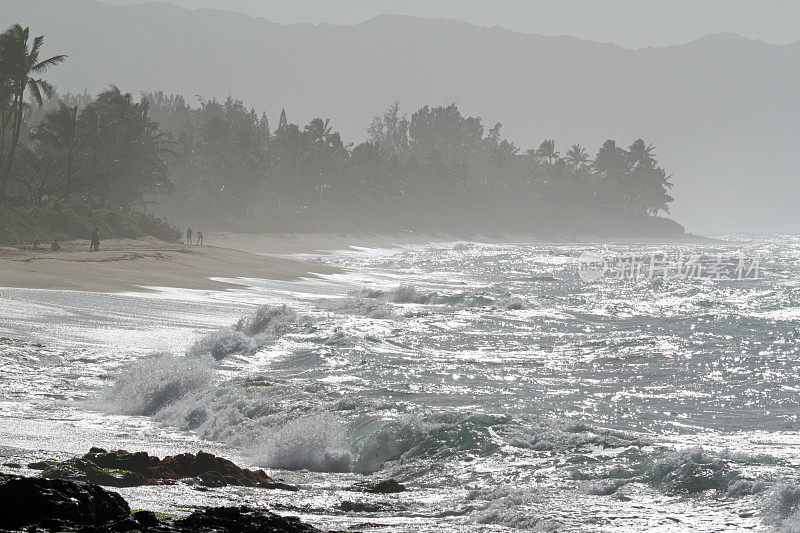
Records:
x=723, y=111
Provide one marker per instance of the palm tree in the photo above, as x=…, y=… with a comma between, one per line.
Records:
x=610, y=162
x=611, y=166
x=319, y=131
x=660, y=198
x=19, y=64
x=504, y=155
x=641, y=155
x=577, y=158
x=547, y=150
x=126, y=147
x=59, y=130
x=5, y=109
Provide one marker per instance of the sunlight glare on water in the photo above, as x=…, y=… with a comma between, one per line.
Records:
x=502, y=390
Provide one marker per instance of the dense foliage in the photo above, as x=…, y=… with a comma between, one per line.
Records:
x=23, y=222
x=223, y=161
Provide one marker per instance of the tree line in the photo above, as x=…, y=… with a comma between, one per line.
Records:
x=223, y=158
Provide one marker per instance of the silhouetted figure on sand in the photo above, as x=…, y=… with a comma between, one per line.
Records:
x=189, y=236
x=95, y=244
x=55, y=247
x=200, y=238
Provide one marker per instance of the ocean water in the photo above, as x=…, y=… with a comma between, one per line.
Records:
x=503, y=391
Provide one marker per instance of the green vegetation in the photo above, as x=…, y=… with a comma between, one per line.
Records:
x=82, y=469
x=222, y=163
x=162, y=515
x=26, y=222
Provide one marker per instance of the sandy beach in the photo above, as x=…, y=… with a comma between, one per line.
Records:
x=136, y=264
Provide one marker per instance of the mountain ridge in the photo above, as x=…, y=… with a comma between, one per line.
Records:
x=707, y=104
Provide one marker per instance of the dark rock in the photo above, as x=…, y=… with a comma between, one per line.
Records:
x=41, y=465
x=125, y=469
x=387, y=486
x=139, y=462
x=37, y=504
x=145, y=518
x=359, y=507
x=123, y=524
x=244, y=519
x=82, y=469
x=26, y=501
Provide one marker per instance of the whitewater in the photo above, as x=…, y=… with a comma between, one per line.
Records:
x=502, y=390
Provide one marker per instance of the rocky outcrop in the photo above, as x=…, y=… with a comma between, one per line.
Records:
x=387, y=486
x=36, y=504
x=245, y=519
x=125, y=469
x=52, y=503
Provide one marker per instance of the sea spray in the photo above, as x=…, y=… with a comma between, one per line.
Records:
x=221, y=344
x=267, y=320
x=146, y=386
x=316, y=443
x=264, y=324
x=782, y=507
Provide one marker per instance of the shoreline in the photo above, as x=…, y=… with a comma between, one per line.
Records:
x=143, y=265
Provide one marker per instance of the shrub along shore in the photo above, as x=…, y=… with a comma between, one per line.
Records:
x=22, y=223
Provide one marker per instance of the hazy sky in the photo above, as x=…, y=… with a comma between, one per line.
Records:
x=629, y=23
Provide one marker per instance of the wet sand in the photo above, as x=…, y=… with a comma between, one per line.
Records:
x=124, y=265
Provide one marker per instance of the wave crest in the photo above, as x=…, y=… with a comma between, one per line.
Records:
x=316, y=443
x=266, y=319
x=147, y=386
x=248, y=334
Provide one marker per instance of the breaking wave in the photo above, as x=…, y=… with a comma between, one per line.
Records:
x=782, y=507
x=292, y=426
x=147, y=386
x=692, y=471
x=266, y=323
x=267, y=320
x=316, y=443
x=222, y=343
x=674, y=472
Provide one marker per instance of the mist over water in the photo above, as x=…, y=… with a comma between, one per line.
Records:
x=489, y=379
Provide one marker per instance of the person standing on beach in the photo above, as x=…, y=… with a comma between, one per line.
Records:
x=199, y=238
x=95, y=245
x=189, y=236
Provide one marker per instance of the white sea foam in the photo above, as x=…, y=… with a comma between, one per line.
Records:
x=147, y=386
x=221, y=344
x=264, y=324
x=782, y=507
x=267, y=320
x=315, y=443
x=508, y=506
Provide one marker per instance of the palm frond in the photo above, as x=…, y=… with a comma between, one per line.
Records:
x=33, y=87
x=47, y=63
